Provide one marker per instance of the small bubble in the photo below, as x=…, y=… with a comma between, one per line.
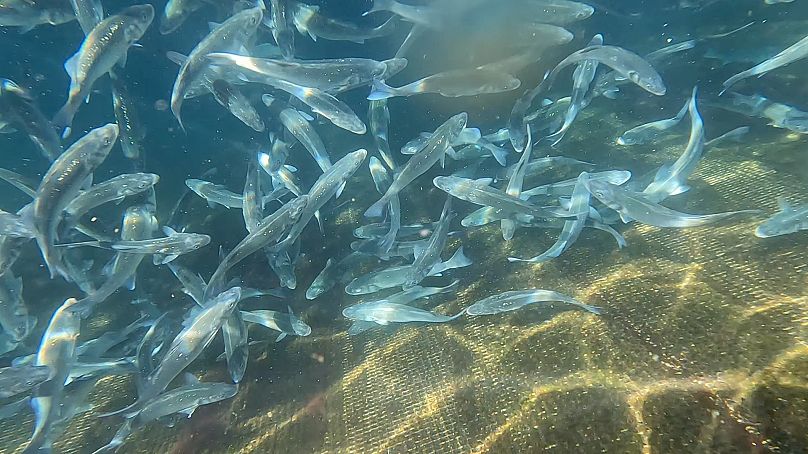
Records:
x=161, y=105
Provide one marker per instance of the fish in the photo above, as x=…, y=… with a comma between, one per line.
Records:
x=417, y=292
x=429, y=256
x=282, y=263
x=21, y=109
x=382, y=181
x=517, y=299
x=14, y=226
x=781, y=115
x=566, y=187
x=14, y=318
x=199, y=329
x=271, y=229
x=422, y=161
x=27, y=15
x=790, y=219
x=104, y=47
x=332, y=76
x=310, y=21
x=286, y=323
x=176, y=12
x=280, y=25
x=450, y=84
x=336, y=111
x=326, y=186
x=88, y=12
x=467, y=136
x=538, y=166
x=303, y=131
x=138, y=224
x=625, y=63
x=397, y=275
x=184, y=399
x=379, y=121
x=535, y=36
x=514, y=188
x=57, y=352
x=430, y=16
x=383, y=312
x=230, y=36
x=374, y=247
x=373, y=231
x=636, y=206
x=558, y=12
x=572, y=228
x=114, y=189
x=670, y=179
x=61, y=184
x=581, y=79
x=132, y=132
x=333, y=272
x=648, y=132
x=231, y=98
x=479, y=192
x=796, y=51
x=236, y=350
x=215, y=194
x=18, y=379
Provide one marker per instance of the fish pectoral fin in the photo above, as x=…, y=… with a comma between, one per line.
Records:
x=189, y=411
x=122, y=60
x=176, y=57
x=783, y=204
x=71, y=66
x=680, y=189
x=130, y=282
x=280, y=337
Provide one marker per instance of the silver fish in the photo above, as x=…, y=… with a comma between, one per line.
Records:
x=566, y=187
x=280, y=23
x=379, y=230
x=430, y=16
x=57, y=351
x=230, y=36
x=422, y=161
x=286, y=323
x=215, y=194
x=231, y=98
x=306, y=135
x=789, y=219
x=62, y=183
x=336, y=111
x=670, y=179
x=20, y=107
x=426, y=258
x=326, y=186
x=138, y=224
x=14, y=226
x=479, y=192
x=14, y=318
x=383, y=312
x=114, y=189
x=781, y=115
x=636, y=206
x=236, y=350
x=647, y=132
x=104, y=47
x=309, y=21
x=558, y=12
x=176, y=12
x=513, y=300
x=379, y=121
x=27, y=14
x=272, y=228
x=417, y=292
x=796, y=51
x=199, y=330
x=514, y=188
x=397, y=275
x=132, y=132
x=581, y=79
x=333, y=272
x=451, y=84
x=382, y=181
x=572, y=228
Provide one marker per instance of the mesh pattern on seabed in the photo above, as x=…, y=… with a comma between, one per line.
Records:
x=701, y=348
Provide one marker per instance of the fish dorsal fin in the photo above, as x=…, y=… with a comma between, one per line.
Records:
x=169, y=231
x=175, y=57
x=483, y=181
x=783, y=204
x=213, y=25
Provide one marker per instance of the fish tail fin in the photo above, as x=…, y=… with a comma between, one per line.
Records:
x=380, y=91
x=500, y=154
x=64, y=118
x=458, y=260
x=176, y=107
x=379, y=5
x=377, y=209
x=733, y=80
x=388, y=27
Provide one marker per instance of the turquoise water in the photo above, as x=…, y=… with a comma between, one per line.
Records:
x=684, y=340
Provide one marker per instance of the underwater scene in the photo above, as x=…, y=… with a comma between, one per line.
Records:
x=403, y=226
